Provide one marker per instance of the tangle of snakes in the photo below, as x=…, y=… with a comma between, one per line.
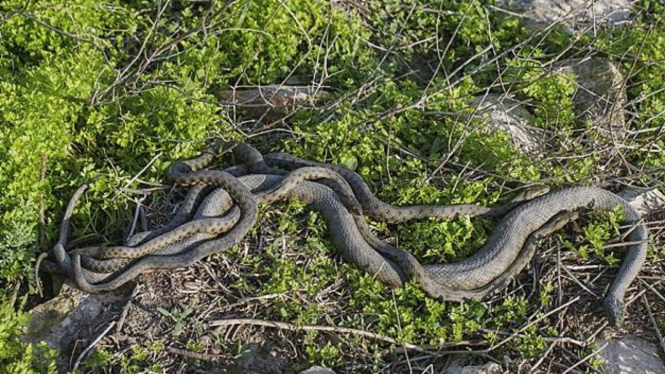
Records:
x=222, y=206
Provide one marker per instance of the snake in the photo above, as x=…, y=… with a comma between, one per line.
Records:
x=109, y=259
x=184, y=176
x=254, y=160
x=219, y=202
x=187, y=173
x=63, y=263
x=505, y=250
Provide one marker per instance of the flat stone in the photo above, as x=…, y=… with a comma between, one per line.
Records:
x=502, y=113
x=47, y=318
x=629, y=354
x=571, y=14
x=69, y=316
x=645, y=200
x=600, y=96
x=317, y=370
x=273, y=99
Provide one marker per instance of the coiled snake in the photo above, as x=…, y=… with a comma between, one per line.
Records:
x=342, y=197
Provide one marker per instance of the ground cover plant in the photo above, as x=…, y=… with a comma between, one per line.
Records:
x=116, y=91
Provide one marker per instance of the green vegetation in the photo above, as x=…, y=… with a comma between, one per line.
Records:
x=16, y=355
x=102, y=90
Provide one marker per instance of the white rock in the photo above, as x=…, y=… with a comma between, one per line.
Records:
x=645, y=200
x=572, y=14
x=627, y=355
x=601, y=94
x=488, y=368
x=317, y=370
x=502, y=113
x=66, y=318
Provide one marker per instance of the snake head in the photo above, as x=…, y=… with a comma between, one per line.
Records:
x=614, y=309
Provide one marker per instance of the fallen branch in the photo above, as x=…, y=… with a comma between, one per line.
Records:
x=661, y=340
x=92, y=345
x=343, y=330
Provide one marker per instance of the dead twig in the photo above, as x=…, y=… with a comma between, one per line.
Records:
x=42, y=204
x=585, y=359
x=338, y=329
x=661, y=341
x=92, y=345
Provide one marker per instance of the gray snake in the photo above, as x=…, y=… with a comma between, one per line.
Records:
x=503, y=255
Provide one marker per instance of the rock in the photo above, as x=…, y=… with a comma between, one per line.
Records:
x=260, y=358
x=572, y=14
x=645, y=200
x=628, y=355
x=46, y=319
x=601, y=96
x=502, y=113
x=276, y=100
x=317, y=370
x=488, y=368
x=68, y=317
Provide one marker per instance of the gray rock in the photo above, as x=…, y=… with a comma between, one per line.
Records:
x=48, y=319
x=488, y=368
x=261, y=358
x=501, y=113
x=645, y=200
x=628, y=354
x=572, y=14
x=68, y=317
x=317, y=370
x=601, y=96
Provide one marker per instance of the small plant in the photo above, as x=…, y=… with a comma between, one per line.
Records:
x=179, y=317
x=195, y=346
x=242, y=349
x=139, y=353
x=156, y=346
x=326, y=355
x=17, y=356
x=99, y=358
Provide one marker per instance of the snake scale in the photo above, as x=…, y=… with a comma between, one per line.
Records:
x=222, y=207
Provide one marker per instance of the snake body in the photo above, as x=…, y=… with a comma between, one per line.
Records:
x=382, y=211
x=342, y=197
x=184, y=213
x=184, y=173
